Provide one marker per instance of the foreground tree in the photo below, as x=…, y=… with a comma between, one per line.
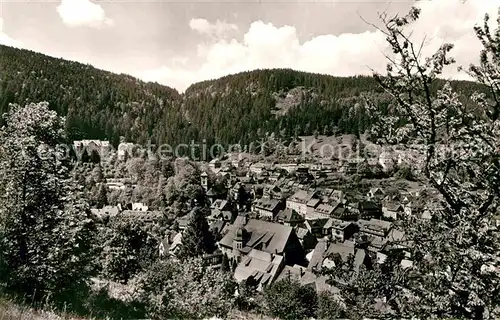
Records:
x=456, y=269
x=46, y=227
x=197, y=239
x=152, y=290
x=184, y=187
x=329, y=307
x=128, y=248
x=288, y=299
x=186, y=291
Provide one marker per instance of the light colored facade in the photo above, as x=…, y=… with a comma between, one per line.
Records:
x=125, y=149
x=266, y=208
x=299, y=200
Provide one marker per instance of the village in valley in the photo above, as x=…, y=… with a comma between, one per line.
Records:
x=293, y=216
x=250, y=170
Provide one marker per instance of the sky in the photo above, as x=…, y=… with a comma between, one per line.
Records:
x=177, y=43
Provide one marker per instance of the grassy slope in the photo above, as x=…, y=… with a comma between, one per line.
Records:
x=12, y=311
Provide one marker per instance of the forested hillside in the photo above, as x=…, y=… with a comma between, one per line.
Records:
x=235, y=108
x=286, y=102
x=282, y=101
x=98, y=104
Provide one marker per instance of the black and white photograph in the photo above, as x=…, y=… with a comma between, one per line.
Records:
x=249, y=159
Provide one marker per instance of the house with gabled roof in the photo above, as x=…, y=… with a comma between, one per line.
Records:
x=345, y=213
x=323, y=210
x=289, y=217
x=340, y=230
x=170, y=244
x=166, y=243
x=311, y=206
x=275, y=175
x=262, y=267
x=215, y=165
x=307, y=278
x=217, y=215
x=326, y=254
x=220, y=205
x=316, y=259
x=327, y=192
x=375, y=244
x=267, y=208
x=315, y=226
x=392, y=210
x=374, y=227
x=211, y=194
x=272, y=191
x=433, y=204
x=413, y=207
x=298, y=201
x=338, y=248
x=376, y=194
x=392, y=194
x=247, y=234
x=369, y=209
x=338, y=196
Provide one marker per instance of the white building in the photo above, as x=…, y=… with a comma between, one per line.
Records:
x=298, y=201
x=125, y=149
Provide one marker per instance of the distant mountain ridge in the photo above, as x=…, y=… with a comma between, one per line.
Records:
x=236, y=108
x=97, y=103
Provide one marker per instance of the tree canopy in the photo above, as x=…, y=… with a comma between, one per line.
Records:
x=239, y=108
x=455, y=255
x=47, y=229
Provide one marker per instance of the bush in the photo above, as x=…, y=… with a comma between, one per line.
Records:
x=329, y=307
x=189, y=290
x=287, y=299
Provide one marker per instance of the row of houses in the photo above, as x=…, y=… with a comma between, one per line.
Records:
x=104, y=148
x=131, y=211
x=266, y=251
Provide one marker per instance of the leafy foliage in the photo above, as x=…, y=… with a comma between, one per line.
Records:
x=287, y=299
x=47, y=230
x=329, y=307
x=153, y=290
x=128, y=248
x=183, y=188
x=197, y=239
x=189, y=290
x=455, y=272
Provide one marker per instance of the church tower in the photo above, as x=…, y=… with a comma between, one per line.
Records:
x=238, y=243
x=204, y=181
